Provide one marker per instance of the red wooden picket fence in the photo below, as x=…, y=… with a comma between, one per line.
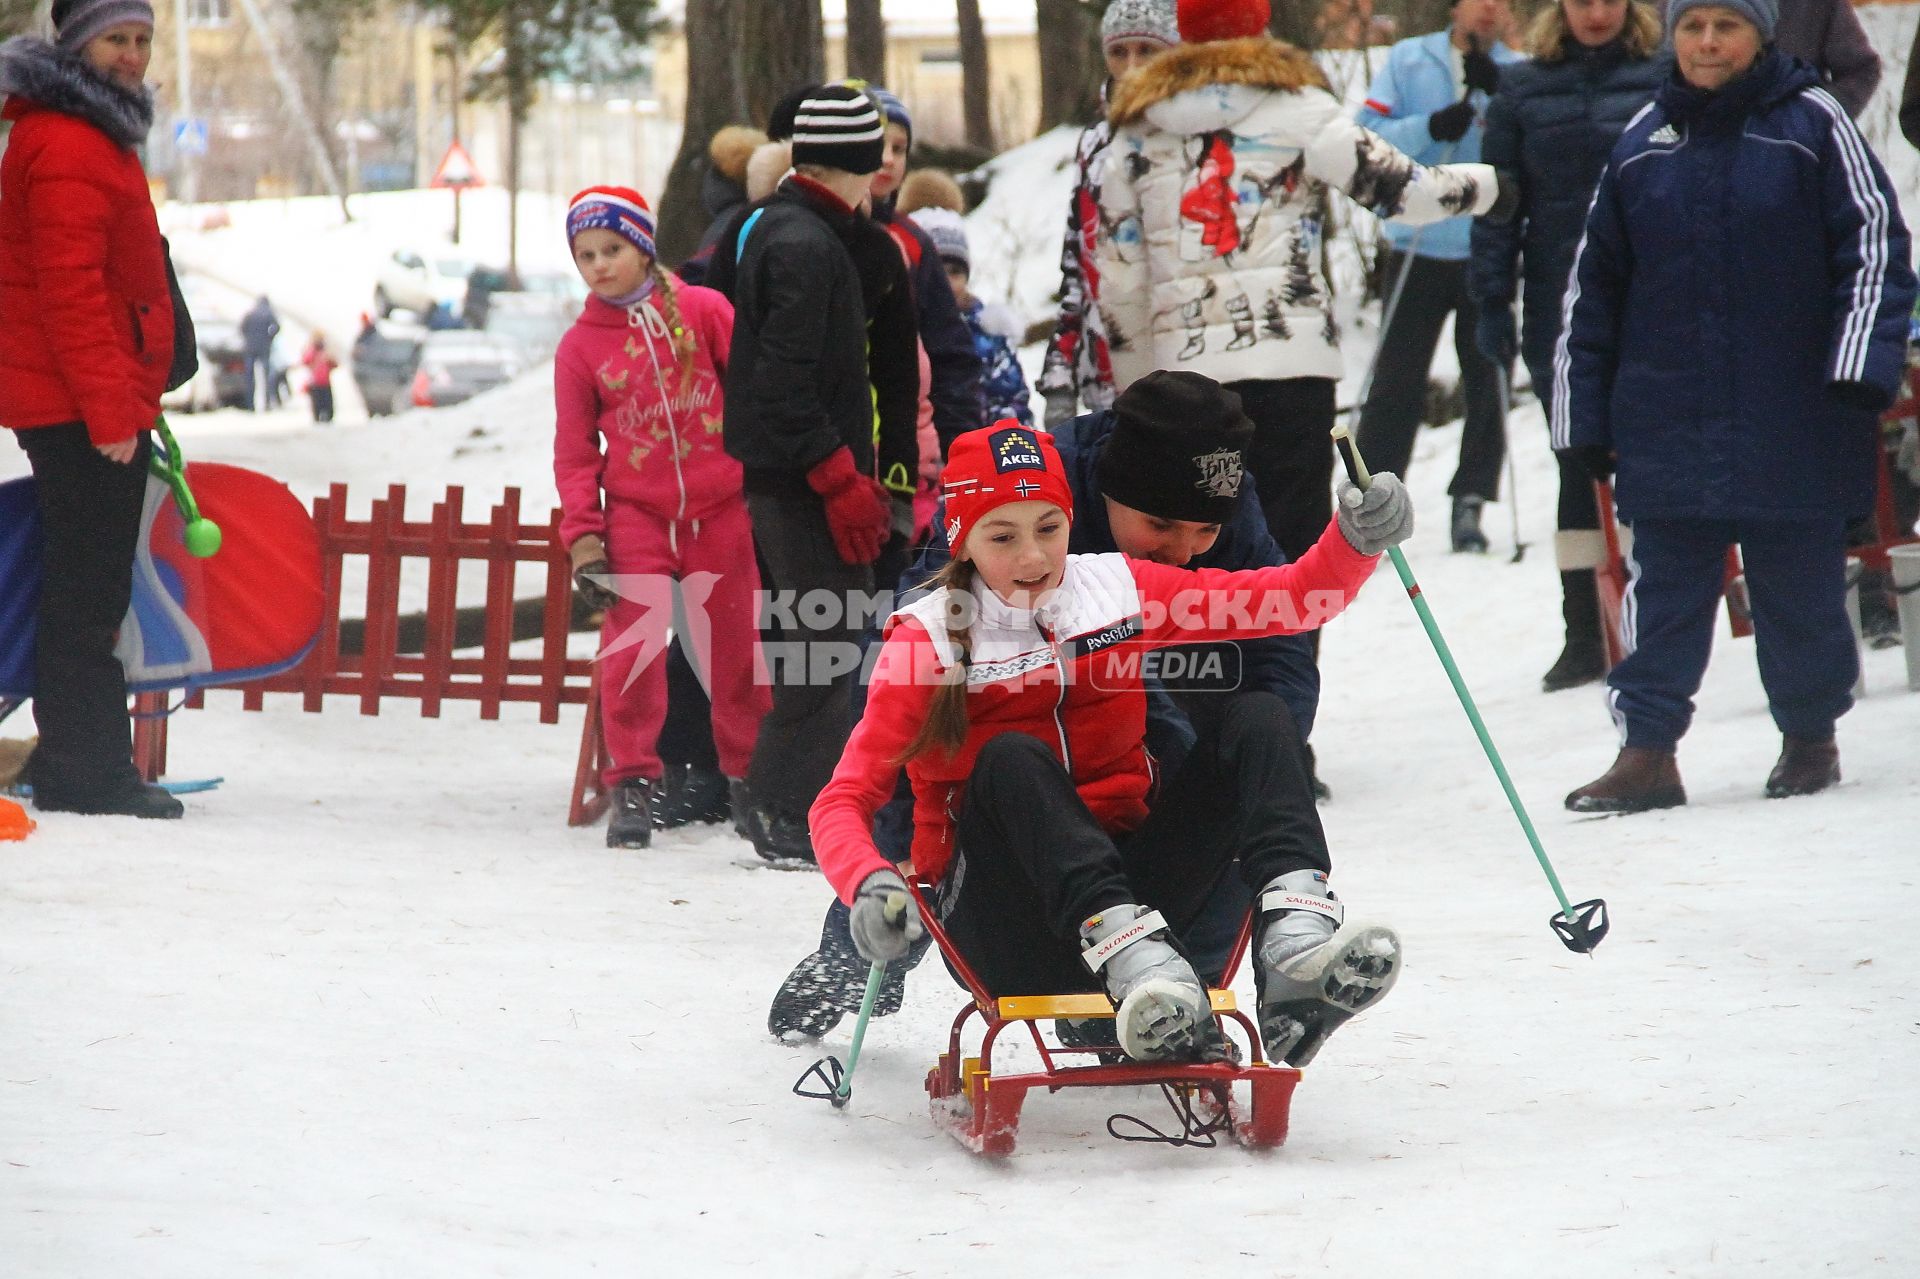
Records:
x=377, y=675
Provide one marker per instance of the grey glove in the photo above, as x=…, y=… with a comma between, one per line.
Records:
x=884, y=921
x=1377, y=518
x=1060, y=408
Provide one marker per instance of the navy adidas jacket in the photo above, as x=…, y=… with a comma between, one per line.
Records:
x=1738, y=305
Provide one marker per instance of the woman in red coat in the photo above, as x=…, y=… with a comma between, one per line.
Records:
x=86, y=342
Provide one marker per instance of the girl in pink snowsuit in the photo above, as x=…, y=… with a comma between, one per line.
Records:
x=649, y=497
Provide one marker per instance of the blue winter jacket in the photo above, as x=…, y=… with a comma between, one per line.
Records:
x=1553, y=123
x=1415, y=81
x=1738, y=304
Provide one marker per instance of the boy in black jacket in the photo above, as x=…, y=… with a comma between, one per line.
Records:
x=800, y=419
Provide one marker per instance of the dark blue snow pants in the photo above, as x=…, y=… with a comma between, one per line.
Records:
x=1796, y=583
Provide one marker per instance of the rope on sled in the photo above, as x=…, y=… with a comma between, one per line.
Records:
x=1201, y=1134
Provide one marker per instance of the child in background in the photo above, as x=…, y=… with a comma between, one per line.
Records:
x=649, y=495
x=319, y=364
x=995, y=329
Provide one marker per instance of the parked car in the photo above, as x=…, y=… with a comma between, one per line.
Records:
x=456, y=365
x=422, y=281
x=486, y=283
x=532, y=323
x=385, y=356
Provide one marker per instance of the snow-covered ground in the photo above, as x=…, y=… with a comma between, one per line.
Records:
x=372, y=1009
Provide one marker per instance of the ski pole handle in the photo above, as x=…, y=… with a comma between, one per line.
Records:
x=1350, y=456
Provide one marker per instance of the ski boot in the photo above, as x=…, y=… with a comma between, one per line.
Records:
x=1312, y=969
x=631, y=825
x=1163, y=1010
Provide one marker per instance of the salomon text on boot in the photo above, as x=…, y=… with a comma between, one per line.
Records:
x=1313, y=968
x=1163, y=1012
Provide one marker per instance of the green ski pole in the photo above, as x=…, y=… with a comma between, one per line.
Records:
x=838, y=1079
x=1581, y=927
x=202, y=535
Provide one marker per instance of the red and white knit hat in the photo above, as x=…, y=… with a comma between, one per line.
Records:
x=1223, y=19
x=995, y=465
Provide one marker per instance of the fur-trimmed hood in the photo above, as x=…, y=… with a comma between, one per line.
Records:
x=1259, y=62
x=46, y=76
x=731, y=148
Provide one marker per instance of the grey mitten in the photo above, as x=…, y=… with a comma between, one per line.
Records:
x=590, y=571
x=1377, y=517
x=884, y=921
x=1059, y=409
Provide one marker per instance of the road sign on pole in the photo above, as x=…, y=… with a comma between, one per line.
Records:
x=456, y=171
x=190, y=136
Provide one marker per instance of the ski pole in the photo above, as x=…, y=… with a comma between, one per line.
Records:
x=202, y=535
x=1580, y=927
x=1513, y=477
x=838, y=1079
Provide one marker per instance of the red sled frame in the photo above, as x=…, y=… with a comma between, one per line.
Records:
x=982, y=1109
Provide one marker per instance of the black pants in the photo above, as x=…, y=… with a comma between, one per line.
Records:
x=1397, y=401
x=1292, y=456
x=322, y=397
x=816, y=662
x=1031, y=863
x=90, y=512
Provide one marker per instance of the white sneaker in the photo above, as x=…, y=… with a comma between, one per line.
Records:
x=1314, y=968
x=1164, y=1013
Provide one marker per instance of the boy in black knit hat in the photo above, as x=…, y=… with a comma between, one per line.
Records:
x=800, y=419
x=1161, y=476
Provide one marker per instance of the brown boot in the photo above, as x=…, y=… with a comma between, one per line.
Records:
x=1640, y=779
x=1804, y=767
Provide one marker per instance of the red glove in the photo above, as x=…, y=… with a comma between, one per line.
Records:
x=858, y=509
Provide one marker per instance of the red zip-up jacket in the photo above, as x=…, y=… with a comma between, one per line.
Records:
x=627, y=424
x=1067, y=674
x=86, y=322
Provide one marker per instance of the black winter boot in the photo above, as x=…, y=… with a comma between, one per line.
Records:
x=130, y=797
x=1466, y=524
x=631, y=824
x=690, y=794
x=1584, y=659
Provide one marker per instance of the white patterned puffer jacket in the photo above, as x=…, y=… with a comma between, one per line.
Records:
x=1214, y=204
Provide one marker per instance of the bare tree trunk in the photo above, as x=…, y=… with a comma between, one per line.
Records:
x=1071, y=67
x=715, y=99
x=783, y=48
x=1293, y=21
x=519, y=102
x=975, y=83
x=866, y=41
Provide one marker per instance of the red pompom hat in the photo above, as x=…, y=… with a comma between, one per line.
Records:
x=995, y=465
x=1202, y=20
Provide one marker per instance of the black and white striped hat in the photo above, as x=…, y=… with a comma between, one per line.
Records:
x=840, y=128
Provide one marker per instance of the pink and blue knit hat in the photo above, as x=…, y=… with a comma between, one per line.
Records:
x=621, y=210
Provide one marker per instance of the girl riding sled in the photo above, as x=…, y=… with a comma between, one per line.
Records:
x=1012, y=694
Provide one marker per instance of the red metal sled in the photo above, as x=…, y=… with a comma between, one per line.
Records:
x=982, y=1108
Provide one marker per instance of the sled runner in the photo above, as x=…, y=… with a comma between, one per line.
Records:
x=981, y=1108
